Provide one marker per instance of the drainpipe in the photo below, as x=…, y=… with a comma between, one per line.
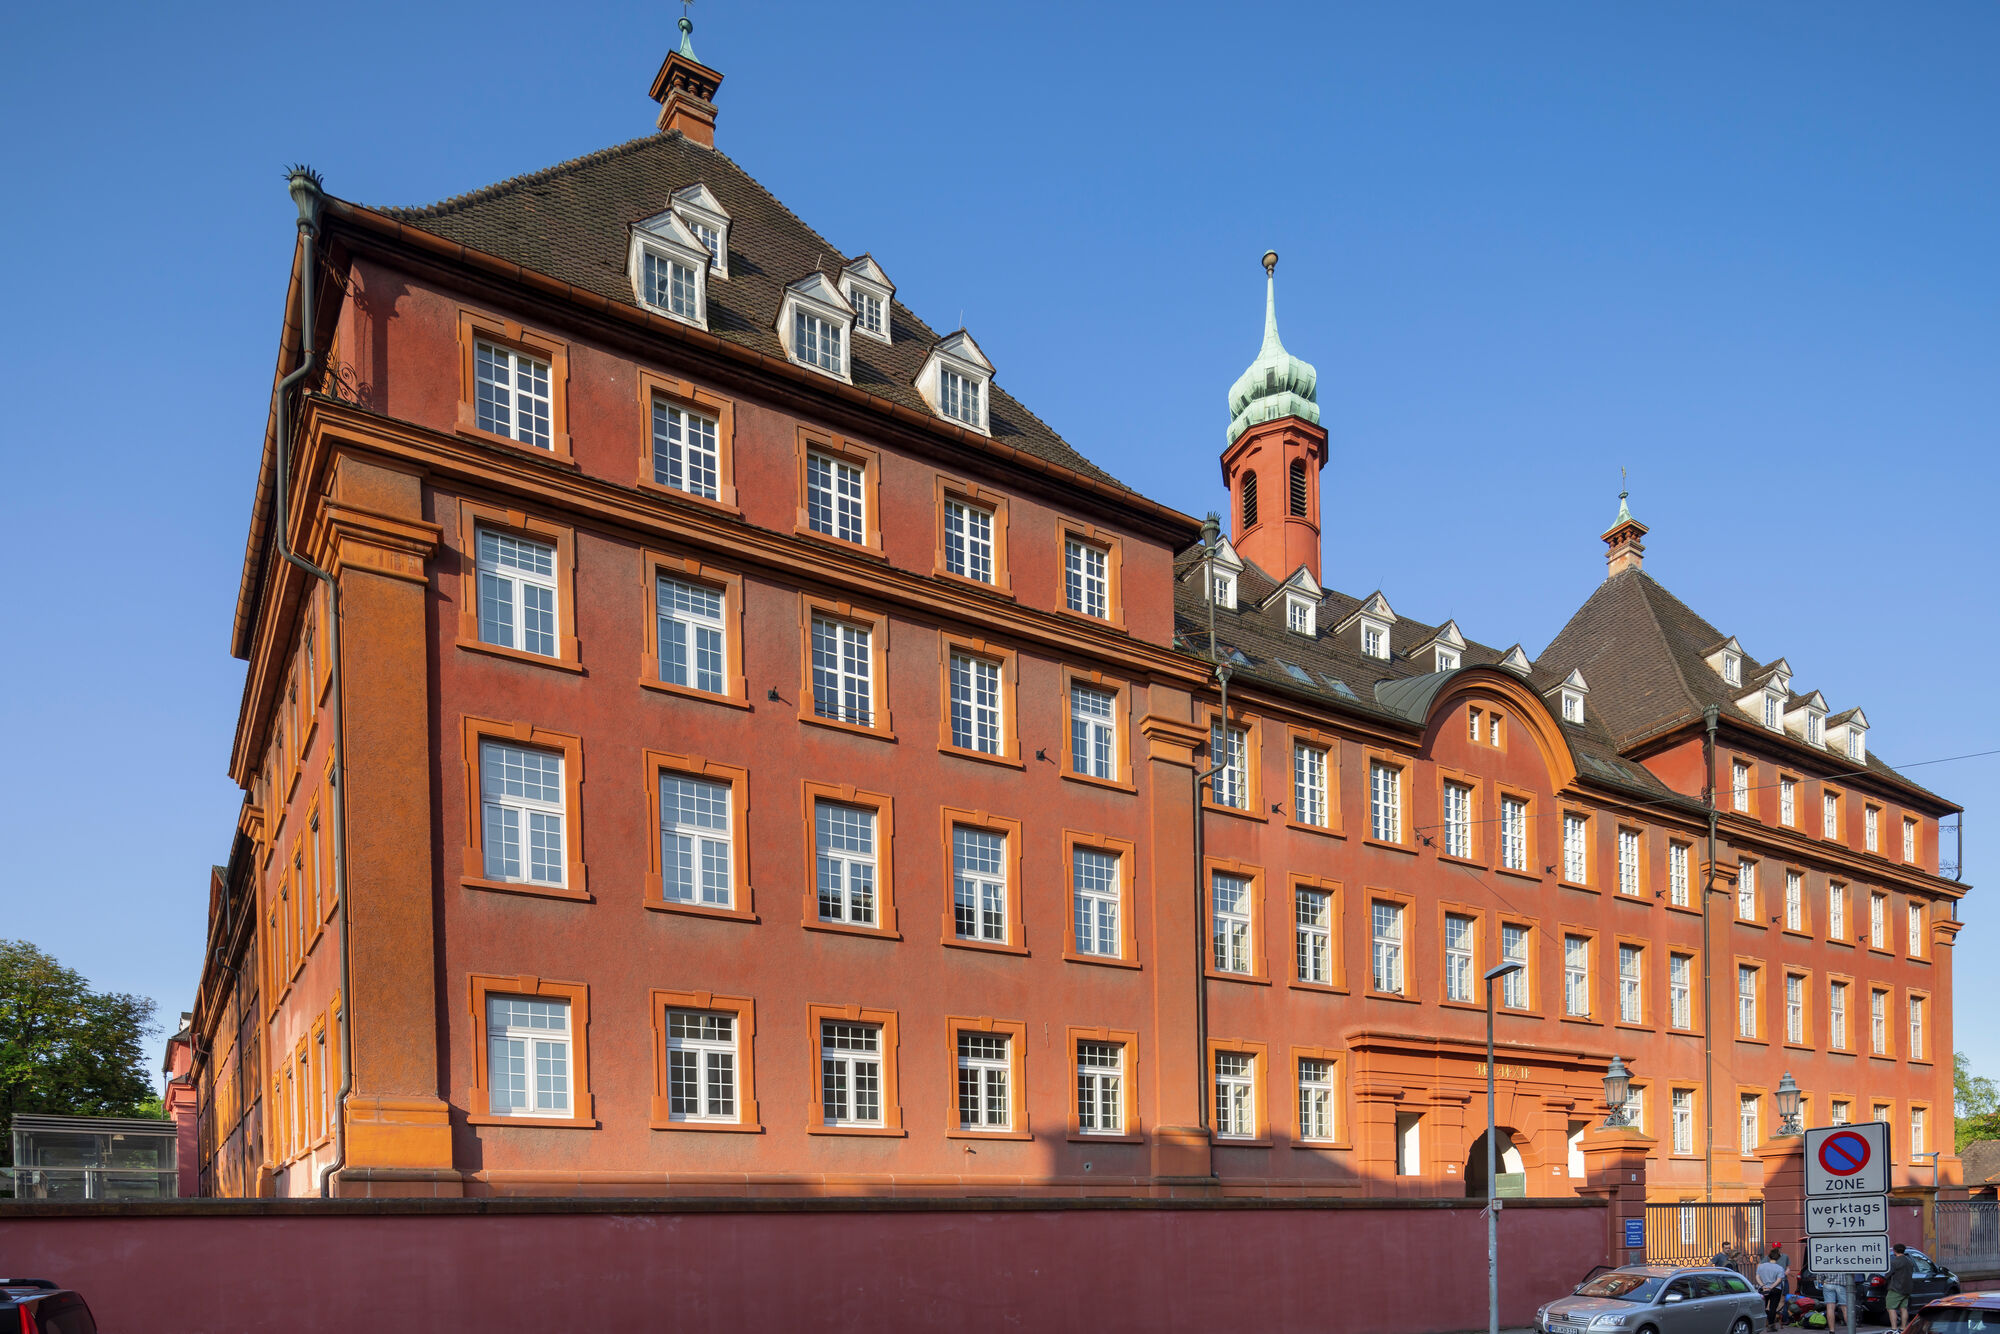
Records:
x=304, y=185
x=1211, y=530
x=1709, y=718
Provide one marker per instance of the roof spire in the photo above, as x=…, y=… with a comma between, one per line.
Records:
x=687, y=33
x=1624, y=551
x=1277, y=384
x=685, y=89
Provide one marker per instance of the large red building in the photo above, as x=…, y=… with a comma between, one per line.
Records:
x=703, y=735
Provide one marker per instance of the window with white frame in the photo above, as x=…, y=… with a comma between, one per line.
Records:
x=975, y=704
x=1094, y=891
x=1447, y=660
x=710, y=238
x=818, y=341
x=1459, y=932
x=1878, y=926
x=1732, y=668
x=1917, y=931
x=1374, y=640
x=1576, y=848
x=1628, y=862
x=1093, y=732
x=835, y=502
x=687, y=455
x=1572, y=706
x=692, y=638
x=1680, y=991
x=1746, y=1001
x=1677, y=874
x=1795, y=901
x=1916, y=1051
x=517, y=592
x=1773, y=711
x=527, y=1056
x=958, y=396
x=1472, y=717
x=844, y=853
x=701, y=1066
x=867, y=311
x=1829, y=814
x=1312, y=916
x=521, y=813
x=1635, y=1107
x=1836, y=1015
x=511, y=395
x=1387, y=922
x=1514, y=833
x=1576, y=976
x=1787, y=802
x=1514, y=949
x=1235, y=1095
x=1631, y=984
x=1299, y=616
x=1917, y=1145
x=1878, y=1022
x=850, y=1073
x=1316, y=1120
x=1087, y=579
x=1909, y=839
x=1836, y=911
x=1871, y=829
x=1222, y=588
x=1228, y=750
x=1882, y=1112
x=843, y=672
x=968, y=541
x=979, y=884
x=984, y=1074
x=1739, y=790
x=1857, y=742
x=1100, y=1088
x=696, y=845
x=1385, y=802
x=1230, y=924
x=1457, y=820
x=670, y=285
x=1746, y=891
x=1683, y=1121
x=1842, y=1113
x=1309, y=784
x=1795, y=1008
x=1750, y=1113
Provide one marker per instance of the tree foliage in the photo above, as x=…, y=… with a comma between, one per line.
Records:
x=66, y=1049
x=1976, y=1102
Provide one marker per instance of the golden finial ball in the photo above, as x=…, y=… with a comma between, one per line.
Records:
x=1270, y=261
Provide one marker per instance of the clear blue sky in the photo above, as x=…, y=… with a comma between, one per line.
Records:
x=1747, y=252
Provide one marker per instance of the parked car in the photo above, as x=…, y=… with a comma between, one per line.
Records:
x=1930, y=1282
x=1657, y=1299
x=37, y=1306
x=1960, y=1313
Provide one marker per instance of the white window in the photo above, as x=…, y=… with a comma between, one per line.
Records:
x=1836, y=912
x=1457, y=820
x=1388, y=933
x=844, y=849
x=686, y=455
x=867, y=311
x=1878, y=927
x=979, y=884
x=1315, y=1099
x=1746, y=1001
x=1916, y=916
x=1093, y=732
x=1222, y=588
x=1472, y=717
x=1576, y=849
x=1094, y=887
x=1795, y=901
x=1447, y=660
x=527, y=1056
x=1677, y=874
x=1631, y=985
x=850, y=1073
x=1100, y=1088
x=1514, y=949
x=1795, y=1008
x=1635, y=1107
x=1298, y=616
x=521, y=801
x=1842, y=1115
x=984, y=1071
x=1836, y=1028
x=1309, y=784
x=834, y=503
x=1909, y=840
x=1773, y=711
x=701, y=1066
x=975, y=704
x=1916, y=1051
x=817, y=342
x=1228, y=750
x=1882, y=1112
x=1684, y=1121
x=1628, y=862
x=1385, y=802
x=1374, y=641
x=1576, y=975
x=1680, y=991
x=1313, y=925
x=1087, y=579
x=1857, y=742
x=517, y=592
x=1739, y=774
x=1871, y=828
x=1732, y=669
x=696, y=850
x=1787, y=802
x=1829, y=814
x=1458, y=956
x=692, y=639
x=1572, y=707
x=1231, y=924
x=1235, y=1095
x=511, y=395
x=958, y=396
x=711, y=241
x=968, y=541
x=843, y=672
x=1749, y=1111
x=671, y=285
x=1878, y=1022
x=1917, y=1149
x=1746, y=891
x=1514, y=833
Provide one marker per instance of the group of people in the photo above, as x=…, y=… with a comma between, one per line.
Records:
x=1834, y=1291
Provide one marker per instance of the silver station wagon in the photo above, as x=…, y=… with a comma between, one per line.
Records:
x=1657, y=1299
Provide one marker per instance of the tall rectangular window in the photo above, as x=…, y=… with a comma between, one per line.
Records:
x=1230, y=910
x=979, y=884
x=1093, y=732
x=1315, y=1098
x=1680, y=991
x=511, y=395
x=1746, y=891
x=1309, y=784
x=1514, y=949
x=975, y=704
x=968, y=541
x=1472, y=717
x=1228, y=752
x=1235, y=1095
x=1795, y=901
x=1918, y=1149
x=1628, y=862
x=844, y=850
x=1458, y=956
x=517, y=593
x=1878, y=925
x=1385, y=802
x=1829, y=814
x=1748, y=1111
x=1631, y=985
x=1576, y=975
x=1677, y=874
x=984, y=1073
x=527, y=1056
x=1387, y=922
x=1746, y=1001
x=1094, y=887
x=817, y=342
x=1916, y=1051
x=1457, y=820
x=1909, y=840
x=1683, y=1121
x=1843, y=1113
x=701, y=1066
x=521, y=812
x=1795, y=1008
x=1787, y=802
x=867, y=310
x=1409, y=1144
x=843, y=672
x=835, y=498
x=958, y=396
x=1100, y=1088
x=1917, y=932
x=1576, y=849
x=691, y=636
x=1514, y=833
x=1739, y=776
x=1836, y=912
x=1836, y=1017
x=686, y=456
x=696, y=847
x=1087, y=579
x=850, y=1073
x=1871, y=828
x=1878, y=1022
x=1313, y=925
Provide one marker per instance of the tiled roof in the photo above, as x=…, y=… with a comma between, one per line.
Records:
x=571, y=222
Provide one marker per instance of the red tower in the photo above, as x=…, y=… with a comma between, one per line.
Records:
x=1276, y=450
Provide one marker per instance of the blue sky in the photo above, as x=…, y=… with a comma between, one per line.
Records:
x=1747, y=253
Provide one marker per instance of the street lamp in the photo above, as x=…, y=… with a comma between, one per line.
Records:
x=1493, y=974
x=1617, y=1092
x=1788, y=1107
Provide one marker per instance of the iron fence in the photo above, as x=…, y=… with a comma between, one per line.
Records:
x=1968, y=1234
x=1691, y=1233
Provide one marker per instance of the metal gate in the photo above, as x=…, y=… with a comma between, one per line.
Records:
x=1968, y=1234
x=1691, y=1233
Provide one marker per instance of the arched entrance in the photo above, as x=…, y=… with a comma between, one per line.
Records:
x=1513, y=1172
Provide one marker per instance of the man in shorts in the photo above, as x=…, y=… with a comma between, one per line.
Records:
x=1902, y=1274
x=1834, y=1294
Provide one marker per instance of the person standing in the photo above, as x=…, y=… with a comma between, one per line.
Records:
x=1771, y=1282
x=1834, y=1294
x=1902, y=1275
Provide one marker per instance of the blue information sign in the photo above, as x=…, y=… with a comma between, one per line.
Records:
x=1635, y=1234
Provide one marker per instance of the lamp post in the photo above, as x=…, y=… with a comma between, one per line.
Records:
x=1617, y=1092
x=1788, y=1108
x=1493, y=975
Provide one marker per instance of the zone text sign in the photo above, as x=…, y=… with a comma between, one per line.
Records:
x=1862, y=1253
x=1847, y=1160
x=1838, y=1215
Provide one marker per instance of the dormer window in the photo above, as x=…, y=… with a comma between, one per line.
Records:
x=1857, y=744
x=668, y=268
x=1572, y=707
x=816, y=341
x=958, y=396
x=1299, y=617
x=1774, y=711
x=955, y=380
x=870, y=292
x=867, y=312
x=1222, y=588
x=1447, y=660
x=705, y=217
x=813, y=322
x=1815, y=727
x=1573, y=689
x=1732, y=668
x=1374, y=640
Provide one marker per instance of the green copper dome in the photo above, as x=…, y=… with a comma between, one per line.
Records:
x=1277, y=384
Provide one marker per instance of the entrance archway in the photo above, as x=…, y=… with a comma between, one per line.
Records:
x=1513, y=1172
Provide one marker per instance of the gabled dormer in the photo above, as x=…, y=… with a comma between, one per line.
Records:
x=1805, y=718
x=956, y=381
x=668, y=268
x=1726, y=660
x=870, y=292
x=1443, y=651
x=1568, y=695
x=1223, y=570
x=709, y=221
x=1301, y=595
x=1515, y=660
x=1847, y=734
x=1372, y=623
x=815, y=323
x=1765, y=701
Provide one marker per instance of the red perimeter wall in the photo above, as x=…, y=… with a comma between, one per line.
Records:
x=302, y=1267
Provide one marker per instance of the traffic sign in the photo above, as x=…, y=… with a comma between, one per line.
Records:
x=1862, y=1253
x=1841, y=1215
x=1848, y=1160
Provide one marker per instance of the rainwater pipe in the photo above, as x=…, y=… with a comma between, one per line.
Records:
x=1709, y=718
x=1211, y=529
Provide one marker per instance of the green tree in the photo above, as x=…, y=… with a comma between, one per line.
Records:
x=65, y=1049
x=1976, y=1103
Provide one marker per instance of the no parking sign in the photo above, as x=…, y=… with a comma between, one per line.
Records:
x=1848, y=1160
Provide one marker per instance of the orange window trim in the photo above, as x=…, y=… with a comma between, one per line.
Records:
x=1477, y=835
x=1260, y=1099
x=472, y=871
x=969, y=493
x=1009, y=663
x=1017, y=1075
x=326, y=849
x=877, y=625
x=811, y=794
x=1113, y=547
x=1532, y=974
x=951, y=817
x=1373, y=894
x=892, y=1105
x=1735, y=982
x=1260, y=924
x=1593, y=865
x=472, y=516
x=1253, y=762
x=1128, y=929
x=477, y=325
x=1128, y=1042
x=1532, y=867
x=654, y=564
x=1480, y=962
x=1337, y=929
x=479, y=1098
x=868, y=459
x=738, y=782
x=1371, y=756
x=1594, y=976
x=1807, y=1036
x=686, y=394
x=1329, y=743
x=1121, y=720
x=1342, y=1139
x=1616, y=984
x=745, y=1011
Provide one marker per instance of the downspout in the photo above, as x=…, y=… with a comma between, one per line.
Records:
x=1211, y=530
x=1709, y=718
x=304, y=185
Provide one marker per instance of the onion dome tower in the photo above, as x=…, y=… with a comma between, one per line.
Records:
x=1276, y=448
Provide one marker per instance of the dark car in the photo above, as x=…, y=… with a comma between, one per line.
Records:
x=1965, y=1313
x=1929, y=1282
x=37, y=1306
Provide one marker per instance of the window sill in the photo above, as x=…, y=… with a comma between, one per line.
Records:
x=702, y=910
x=533, y=1122
x=1841, y=1051
x=813, y=923
x=1254, y=979
x=963, y=1133
x=1085, y=1137
x=292, y=782
x=1583, y=1019
x=532, y=891
x=1916, y=958
x=831, y=542
x=1532, y=877
x=1753, y=1042
x=1102, y=960
x=1110, y=784
x=1334, y=1145
x=1918, y=1060
x=878, y=733
x=1474, y=1006
x=1101, y=622
x=1641, y=1027
x=1883, y=1057
x=651, y=487
x=1844, y=944
x=1396, y=996
x=1387, y=846
x=1639, y=898
x=1683, y=1032
x=862, y=1132
x=558, y=454
x=1578, y=886
x=1235, y=1142
x=1323, y=988
x=522, y=655
x=736, y=701
x=1687, y=908
x=1318, y=830
x=1795, y=931
x=1241, y=813
x=950, y=580
x=1877, y=949
x=984, y=946
x=1799, y=1046
x=983, y=757
x=709, y=1127
x=1749, y=925
x=1472, y=862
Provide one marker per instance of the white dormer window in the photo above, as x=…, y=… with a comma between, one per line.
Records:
x=1815, y=727
x=1222, y=588
x=1857, y=744
x=1299, y=616
x=1572, y=707
x=1447, y=660
x=708, y=221
x=1374, y=640
x=958, y=397
x=870, y=292
x=867, y=313
x=816, y=341
x=1774, y=711
x=955, y=379
x=668, y=268
x=813, y=323
x=1732, y=668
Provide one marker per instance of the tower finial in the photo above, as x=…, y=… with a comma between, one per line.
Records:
x=687, y=32
x=1270, y=262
